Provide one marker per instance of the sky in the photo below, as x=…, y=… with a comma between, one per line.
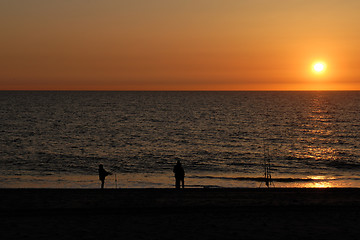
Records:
x=179, y=44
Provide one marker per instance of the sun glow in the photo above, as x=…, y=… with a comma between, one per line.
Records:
x=319, y=67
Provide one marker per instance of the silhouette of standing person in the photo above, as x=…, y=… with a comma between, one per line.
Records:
x=102, y=175
x=179, y=174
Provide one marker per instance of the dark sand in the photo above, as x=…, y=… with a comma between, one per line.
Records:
x=185, y=214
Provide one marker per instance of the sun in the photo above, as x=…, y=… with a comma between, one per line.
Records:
x=319, y=67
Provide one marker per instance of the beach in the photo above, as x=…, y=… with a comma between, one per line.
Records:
x=245, y=213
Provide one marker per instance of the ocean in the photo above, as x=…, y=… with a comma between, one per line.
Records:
x=57, y=139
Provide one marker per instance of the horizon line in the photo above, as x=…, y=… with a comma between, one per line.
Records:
x=105, y=90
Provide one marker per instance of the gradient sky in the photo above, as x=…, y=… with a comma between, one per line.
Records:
x=179, y=45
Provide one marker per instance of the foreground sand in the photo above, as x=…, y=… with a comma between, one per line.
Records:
x=184, y=214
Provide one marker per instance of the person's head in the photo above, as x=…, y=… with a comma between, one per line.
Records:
x=101, y=166
x=178, y=162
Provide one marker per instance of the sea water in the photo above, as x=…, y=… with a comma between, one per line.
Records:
x=58, y=139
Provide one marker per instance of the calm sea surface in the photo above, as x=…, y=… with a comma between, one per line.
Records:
x=58, y=139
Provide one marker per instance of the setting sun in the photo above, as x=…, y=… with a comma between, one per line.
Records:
x=319, y=67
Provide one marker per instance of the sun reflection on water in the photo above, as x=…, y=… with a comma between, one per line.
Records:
x=320, y=184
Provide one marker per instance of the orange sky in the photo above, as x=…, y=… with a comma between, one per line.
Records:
x=179, y=45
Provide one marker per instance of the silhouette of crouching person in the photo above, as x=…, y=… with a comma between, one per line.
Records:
x=179, y=175
x=102, y=174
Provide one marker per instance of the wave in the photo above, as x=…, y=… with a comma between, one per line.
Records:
x=344, y=165
x=262, y=179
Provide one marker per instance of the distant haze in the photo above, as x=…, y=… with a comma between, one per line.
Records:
x=179, y=45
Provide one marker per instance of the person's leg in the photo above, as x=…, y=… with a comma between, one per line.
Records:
x=177, y=182
x=182, y=180
x=102, y=184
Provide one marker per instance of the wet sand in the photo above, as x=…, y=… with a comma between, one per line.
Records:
x=185, y=214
